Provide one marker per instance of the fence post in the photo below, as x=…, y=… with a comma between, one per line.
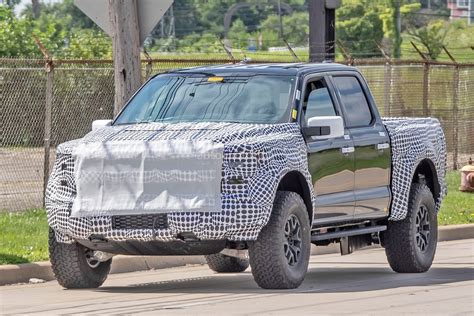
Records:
x=47, y=122
x=426, y=74
x=426, y=78
x=455, y=115
x=455, y=108
x=387, y=86
x=49, y=68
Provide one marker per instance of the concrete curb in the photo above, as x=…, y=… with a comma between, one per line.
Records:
x=455, y=232
x=22, y=273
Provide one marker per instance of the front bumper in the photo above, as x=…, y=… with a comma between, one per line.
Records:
x=228, y=224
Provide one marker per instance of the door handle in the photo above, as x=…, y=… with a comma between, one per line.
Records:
x=347, y=150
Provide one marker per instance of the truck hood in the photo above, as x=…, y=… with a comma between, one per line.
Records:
x=234, y=136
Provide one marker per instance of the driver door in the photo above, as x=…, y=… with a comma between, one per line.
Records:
x=330, y=161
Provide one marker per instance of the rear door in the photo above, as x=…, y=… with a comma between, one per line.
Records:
x=330, y=161
x=372, y=151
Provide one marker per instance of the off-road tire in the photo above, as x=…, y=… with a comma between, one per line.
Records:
x=400, y=241
x=270, y=267
x=70, y=267
x=226, y=264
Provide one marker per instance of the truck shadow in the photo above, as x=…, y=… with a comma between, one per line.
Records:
x=322, y=280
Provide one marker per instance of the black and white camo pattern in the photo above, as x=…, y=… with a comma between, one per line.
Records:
x=259, y=154
x=413, y=140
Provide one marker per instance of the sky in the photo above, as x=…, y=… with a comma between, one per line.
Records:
x=23, y=3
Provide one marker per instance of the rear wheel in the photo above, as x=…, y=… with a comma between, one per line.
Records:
x=410, y=244
x=226, y=264
x=279, y=257
x=74, y=265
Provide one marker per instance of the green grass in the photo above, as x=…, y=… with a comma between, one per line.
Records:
x=24, y=235
x=457, y=207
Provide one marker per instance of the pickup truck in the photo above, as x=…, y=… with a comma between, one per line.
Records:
x=247, y=164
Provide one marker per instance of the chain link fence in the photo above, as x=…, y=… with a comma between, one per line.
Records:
x=45, y=104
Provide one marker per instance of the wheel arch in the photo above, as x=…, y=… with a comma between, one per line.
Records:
x=425, y=172
x=294, y=181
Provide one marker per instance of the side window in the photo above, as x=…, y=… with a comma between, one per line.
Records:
x=354, y=101
x=317, y=101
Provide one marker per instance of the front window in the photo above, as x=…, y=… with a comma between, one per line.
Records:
x=354, y=101
x=204, y=98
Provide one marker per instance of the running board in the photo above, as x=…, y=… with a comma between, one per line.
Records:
x=349, y=232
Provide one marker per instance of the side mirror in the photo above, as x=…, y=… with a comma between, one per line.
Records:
x=324, y=127
x=100, y=123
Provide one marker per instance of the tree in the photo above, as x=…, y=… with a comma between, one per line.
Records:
x=431, y=36
x=392, y=26
x=360, y=28
x=64, y=12
x=295, y=29
x=238, y=34
x=15, y=35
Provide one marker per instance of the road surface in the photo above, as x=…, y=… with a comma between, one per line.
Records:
x=361, y=283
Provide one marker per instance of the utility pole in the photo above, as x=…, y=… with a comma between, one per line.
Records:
x=397, y=21
x=35, y=6
x=322, y=29
x=281, y=19
x=317, y=30
x=125, y=35
x=330, y=34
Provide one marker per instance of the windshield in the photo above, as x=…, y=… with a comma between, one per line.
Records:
x=203, y=98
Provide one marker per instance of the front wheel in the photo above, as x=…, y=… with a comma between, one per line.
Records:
x=280, y=256
x=410, y=244
x=226, y=264
x=74, y=267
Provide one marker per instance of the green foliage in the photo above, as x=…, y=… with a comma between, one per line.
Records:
x=238, y=34
x=431, y=36
x=360, y=28
x=64, y=12
x=15, y=35
x=460, y=34
x=457, y=207
x=24, y=237
x=60, y=31
x=88, y=44
x=66, y=32
x=390, y=23
x=204, y=43
x=295, y=29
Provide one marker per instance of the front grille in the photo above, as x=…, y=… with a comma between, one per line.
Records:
x=147, y=221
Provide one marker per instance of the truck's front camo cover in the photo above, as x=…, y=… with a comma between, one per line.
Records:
x=259, y=155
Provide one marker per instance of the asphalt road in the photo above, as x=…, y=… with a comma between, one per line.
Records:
x=361, y=283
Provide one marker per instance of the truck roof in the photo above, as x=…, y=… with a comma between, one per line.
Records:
x=267, y=69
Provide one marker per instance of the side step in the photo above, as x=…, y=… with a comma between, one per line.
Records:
x=349, y=232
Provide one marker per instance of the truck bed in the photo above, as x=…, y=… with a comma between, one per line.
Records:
x=413, y=140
